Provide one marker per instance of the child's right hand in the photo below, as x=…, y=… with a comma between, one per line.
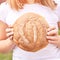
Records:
x=9, y=32
x=7, y=44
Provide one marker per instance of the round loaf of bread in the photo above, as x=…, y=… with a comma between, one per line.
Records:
x=30, y=32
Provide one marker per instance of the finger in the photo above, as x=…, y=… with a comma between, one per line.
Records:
x=10, y=38
x=9, y=34
x=53, y=32
x=9, y=30
x=52, y=38
x=10, y=26
x=52, y=42
x=51, y=28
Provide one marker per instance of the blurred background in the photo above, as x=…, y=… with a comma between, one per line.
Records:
x=8, y=56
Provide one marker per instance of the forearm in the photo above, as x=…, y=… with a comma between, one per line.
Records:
x=6, y=46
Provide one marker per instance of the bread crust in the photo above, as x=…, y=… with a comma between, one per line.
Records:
x=30, y=32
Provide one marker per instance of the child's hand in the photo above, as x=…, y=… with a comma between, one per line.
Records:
x=9, y=32
x=53, y=37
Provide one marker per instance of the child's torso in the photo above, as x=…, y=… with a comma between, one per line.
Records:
x=49, y=51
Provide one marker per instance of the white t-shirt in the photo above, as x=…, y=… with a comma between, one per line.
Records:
x=4, y=10
x=57, y=11
x=50, y=52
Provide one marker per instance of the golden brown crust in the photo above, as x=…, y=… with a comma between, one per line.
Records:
x=30, y=32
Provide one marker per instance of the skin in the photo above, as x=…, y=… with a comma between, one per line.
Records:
x=2, y=1
x=53, y=37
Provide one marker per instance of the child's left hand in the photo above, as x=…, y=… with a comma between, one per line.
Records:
x=53, y=37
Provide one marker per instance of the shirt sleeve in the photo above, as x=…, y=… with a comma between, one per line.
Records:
x=3, y=11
